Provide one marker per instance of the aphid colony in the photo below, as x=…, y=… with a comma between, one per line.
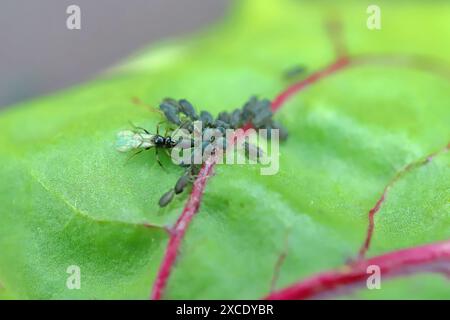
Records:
x=182, y=115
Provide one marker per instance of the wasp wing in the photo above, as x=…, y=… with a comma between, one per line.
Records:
x=128, y=140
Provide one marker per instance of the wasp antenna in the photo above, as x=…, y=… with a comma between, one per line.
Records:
x=139, y=102
x=137, y=127
x=132, y=124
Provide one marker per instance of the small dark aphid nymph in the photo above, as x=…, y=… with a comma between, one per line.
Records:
x=187, y=108
x=294, y=71
x=262, y=118
x=166, y=198
x=235, y=119
x=221, y=124
x=283, y=133
x=186, y=179
x=224, y=116
x=164, y=142
x=172, y=102
x=182, y=182
x=253, y=152
x=255, y=112
x=171, y=112
x=206, y=118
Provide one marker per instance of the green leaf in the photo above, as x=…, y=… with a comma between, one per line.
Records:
x=68, y=198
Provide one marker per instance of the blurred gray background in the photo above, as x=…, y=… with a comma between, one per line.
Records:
x=38, y=54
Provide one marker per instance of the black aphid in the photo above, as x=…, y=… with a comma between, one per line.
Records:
x=206, y=118
x=256, y=112
x=182, y=182
x=187, y=108
x=166, y=198
x=247, y=110
x=236, y=118
x=171, y=112
x=186, y=179
x=224, y=116
x=294, y=71
x=253, y=152
x=221, y=124
x=283, y=133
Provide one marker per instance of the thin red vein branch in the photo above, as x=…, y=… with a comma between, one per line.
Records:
x=334, y=28
x=372, y=212
x=433, y=257
x=279, y=262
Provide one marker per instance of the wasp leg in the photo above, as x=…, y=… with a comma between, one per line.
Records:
x=132, y=156
x=159, y=161
x=139, y=128
x=158, y=125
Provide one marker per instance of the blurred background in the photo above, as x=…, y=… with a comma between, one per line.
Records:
x=38, y=54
